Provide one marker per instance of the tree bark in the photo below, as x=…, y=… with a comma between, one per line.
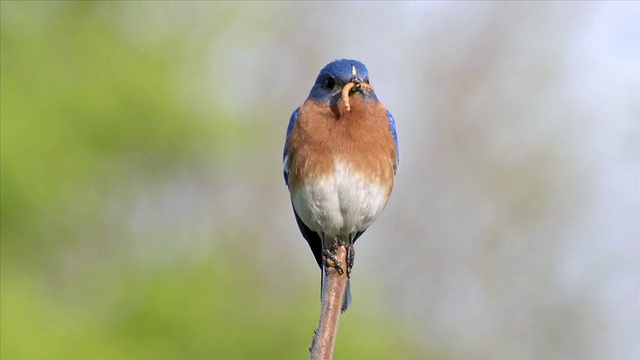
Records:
x=332, y=292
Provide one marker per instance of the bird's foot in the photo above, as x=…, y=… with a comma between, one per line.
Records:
x=330, y=258
x=351, y=255
x=331, y=261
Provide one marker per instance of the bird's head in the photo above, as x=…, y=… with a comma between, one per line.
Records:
x=339, y=74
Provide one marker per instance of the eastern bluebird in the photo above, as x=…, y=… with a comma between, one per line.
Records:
x=340, y=160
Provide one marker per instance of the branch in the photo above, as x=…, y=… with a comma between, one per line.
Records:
x=332, y=293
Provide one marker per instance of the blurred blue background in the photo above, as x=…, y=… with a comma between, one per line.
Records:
x=144, y=214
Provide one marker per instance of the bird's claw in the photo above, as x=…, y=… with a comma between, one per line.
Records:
x=331, y=260
x=351, y=255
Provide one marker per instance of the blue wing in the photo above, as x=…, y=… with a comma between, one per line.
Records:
x=285, y=154
x=392, y=127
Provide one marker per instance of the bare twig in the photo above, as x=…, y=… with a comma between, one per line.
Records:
x=332, y=293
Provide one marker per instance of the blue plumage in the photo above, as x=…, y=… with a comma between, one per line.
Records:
x=335, y=75
x=285, y=167
x=392, y=127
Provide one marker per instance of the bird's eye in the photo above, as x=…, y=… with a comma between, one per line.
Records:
x=329, y=83
x=366, y=80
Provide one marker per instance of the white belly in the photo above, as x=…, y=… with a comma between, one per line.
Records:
x=341, y=204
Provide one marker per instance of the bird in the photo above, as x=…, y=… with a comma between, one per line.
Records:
x=340, y=160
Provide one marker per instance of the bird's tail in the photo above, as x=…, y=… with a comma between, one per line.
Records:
x=346, y=298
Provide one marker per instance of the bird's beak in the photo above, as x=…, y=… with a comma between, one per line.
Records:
x=356, y=84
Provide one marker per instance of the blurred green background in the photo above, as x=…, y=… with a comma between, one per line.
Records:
x=92, y=121
x=144, y=215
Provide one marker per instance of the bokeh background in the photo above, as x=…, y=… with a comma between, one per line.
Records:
x=144, y=214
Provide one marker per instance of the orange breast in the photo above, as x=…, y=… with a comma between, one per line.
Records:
x=325, y=135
